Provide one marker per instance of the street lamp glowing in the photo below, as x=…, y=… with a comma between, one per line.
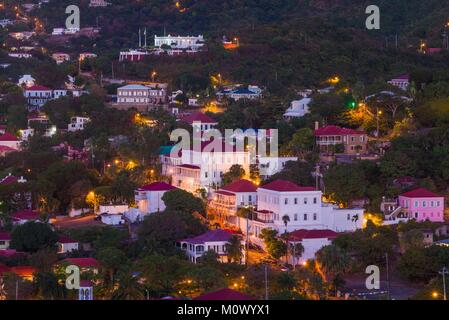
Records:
x=435, y=294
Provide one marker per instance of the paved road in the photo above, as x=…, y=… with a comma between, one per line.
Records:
x=399, y=290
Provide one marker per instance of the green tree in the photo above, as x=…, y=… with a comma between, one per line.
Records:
x=236, y=172
x=234, y=249
x=33, y=236
x=180, y=200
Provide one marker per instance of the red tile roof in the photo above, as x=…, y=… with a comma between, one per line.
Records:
x=402, y=77
x=83, y=262
x=4, y=269
x=86, y=283
x=198, y=117
x=225, y=193
x=7, y=136
x=420, y=193
x=5, y=236
x=157, y=186
x=285, y=186
x=37, y=88
x=210, y=236
x=24, y=271
x=64, y=239
x=241, y=186
x=189, y=166
x=9, y=179
x=336, y=131
x=6, y=149
x=26, y=215
x=299, y=235
x=225, y=294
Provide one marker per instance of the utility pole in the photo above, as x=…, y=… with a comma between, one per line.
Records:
x=388, y=277
x=444, y=272
x=266, y=282
x=17, y=289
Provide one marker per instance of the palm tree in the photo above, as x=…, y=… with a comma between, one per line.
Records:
x=331, y=262
x=296, y=250
x=286, y=220
x=234, y=249
x=128, y=288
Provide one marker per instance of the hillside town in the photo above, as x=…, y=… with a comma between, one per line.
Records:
x=164, y=161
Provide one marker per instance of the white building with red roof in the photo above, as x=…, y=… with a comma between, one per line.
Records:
x=25, y=216
x=302, y=207
x=65, y=245
x=203, y=165
x=226, y=201
x=352, y=141
x=402, y=81
x=212, y=240
x=5, y=240
x=199, y=121
x=149, y=200
x=311, y=240
x=10, y=142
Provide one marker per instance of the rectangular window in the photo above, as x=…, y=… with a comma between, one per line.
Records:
x=295, y=217
x=305, y=216
x=286, y=201
x=296, y=200
x=423, y=204
x=305, y=200
x=315, y=200
x=315, y=216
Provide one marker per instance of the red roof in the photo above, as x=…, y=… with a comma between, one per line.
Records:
x=37, y=88
x=64, y=239
x=241, y=186
x=225, y=193
x=8, y=137
x=189, y=166
x=9, y=252
x=6, y=149
x=402, y=77
x=299, y=235
x=5, y=236
x=420, y=193
x=9, y=179
x=157, y=186
x=285, y=186
x=198, y=117
x=24, y=271
x=225, y=294
x=26, y=215
x=86, y=283
x=83, y=262
x=4, y=269
x=210, y=236
x=335, y=131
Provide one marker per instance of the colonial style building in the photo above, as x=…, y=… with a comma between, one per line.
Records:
x=297, y=109
x=149, y=200
x=226, y=201
x=199, y=121
x=212, y=240
x=141, y=96
x=352, y=142
x=419, y=204
x=203, y=166
x=402, y=81
x=285, y=206
x=194, y=43
x=78, y=123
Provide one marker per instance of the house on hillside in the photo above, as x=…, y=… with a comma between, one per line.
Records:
x=351, y=142
x=401, y=81
x=212, y=240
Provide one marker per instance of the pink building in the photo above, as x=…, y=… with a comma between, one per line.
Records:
x=421, y=204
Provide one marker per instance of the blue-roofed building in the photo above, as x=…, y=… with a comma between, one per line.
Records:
x=248, y=93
